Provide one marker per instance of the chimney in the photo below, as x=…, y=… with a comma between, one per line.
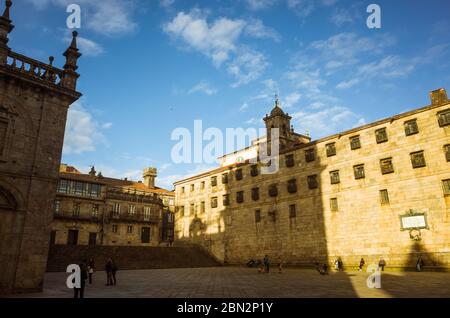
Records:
x=150, y=176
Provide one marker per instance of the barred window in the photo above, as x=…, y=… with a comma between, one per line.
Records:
x=310, y=155
x=359, y=172
x=418, y=159
x=238, y=174
x=290, y=160
x=273, y=191
x=334, y=205
x=381, y=135
x=331, y=149
x=444, y=118
x=76, y=209
x=447, y=152
x=57, y=206
x=240, y=196
x=114, y=228
x=386, y=166
x=384, y=196
x=226, y=199
x=411, y=127
x=129, y=229
x=257, y=216
x=292, y=186
x=95, y=210
x=214, y=181
x=292, y=211
x=312, y=182
x=355, y=142
x=446, y=186
x=214, y=202
x=225, y=178
x=255, y=194
x=116, y=209
x=334, y=177
x=254, y=170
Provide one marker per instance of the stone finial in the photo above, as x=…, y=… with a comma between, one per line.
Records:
x=8, y=4
x=438, y=97
x=92, y=172
x=5, y=25
x=72, y=55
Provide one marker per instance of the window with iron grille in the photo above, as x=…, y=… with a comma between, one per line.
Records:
x=57, y=207
x=95, y=209
x=114, y=228
x=238, y=174
x=381, y=135
x=226, y=199
x=310, y=155
x=290, y=160
x=334, y=205
x=359, y=172
x=254, y=170
x=240, y=196
x=446, y=186
x=384, y=196
x=273, y=191
x=292, y=211
x=292, y=186
x=444, y=118
x=129, y=229
x=411, y=127
x=225, y=178
x=312, y=182
x=214, y=202
x=386, y=166
x=418, y=159
x=257, y=216
x=116, y=209
x=214, y=181
x=355, y=142
x=255, y=194
x=334, y=177
x=447, y=152
x=331, y=149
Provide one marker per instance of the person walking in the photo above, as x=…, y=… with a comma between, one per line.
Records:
x=108, y=270
x=420, y=263
x=91, y=269
x=113, y=272
x=280, y=265
x=79, y=292
x=266, y=264
x=336, y=264
x=382, y=264
x=361, y=264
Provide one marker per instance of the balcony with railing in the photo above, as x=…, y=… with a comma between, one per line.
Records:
x=64, y=215
x=132, y=195
x=153, y=217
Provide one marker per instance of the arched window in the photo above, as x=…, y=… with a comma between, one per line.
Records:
x=7, y=200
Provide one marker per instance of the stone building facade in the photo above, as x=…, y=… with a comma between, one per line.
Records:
x=91, y=209
x=377, y=191
x=34, y=100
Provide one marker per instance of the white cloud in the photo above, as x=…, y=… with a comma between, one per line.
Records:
x=257, y=29
x=219, y=42
x=243, y=107
x=106, y=17
x=107, y=125
x=291, y=99
x=87, y=47
x=82, y=133
x=348, y=84
x=203, y=87
x=166, y=3
x=341, y=16
x=259, y=4
x=326, y=121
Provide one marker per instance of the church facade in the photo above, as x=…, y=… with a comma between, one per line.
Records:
x=377, y=191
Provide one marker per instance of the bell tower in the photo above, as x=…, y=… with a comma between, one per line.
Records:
x=34, y=99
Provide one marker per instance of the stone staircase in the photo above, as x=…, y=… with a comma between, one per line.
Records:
x=129, y=257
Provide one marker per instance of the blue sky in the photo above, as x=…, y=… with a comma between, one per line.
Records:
x=152, y=66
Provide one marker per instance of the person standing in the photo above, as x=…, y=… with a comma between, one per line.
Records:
x=419, y=264
x=280, y=265
x=382, y=264
x=91, y=269
x=336, y=264
x=266, y=264
x=79, y=292
x=361, y=264
x=113, y=272
x=108, y=270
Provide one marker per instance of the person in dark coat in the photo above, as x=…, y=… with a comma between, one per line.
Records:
x=108, y=270
x=113, y=272
x=79, y=292
x=266, y=263
x=91, y=269
x=382, y=264
x=419, y=264
x=361, y=264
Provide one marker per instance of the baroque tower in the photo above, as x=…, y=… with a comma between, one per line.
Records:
x=34, y=100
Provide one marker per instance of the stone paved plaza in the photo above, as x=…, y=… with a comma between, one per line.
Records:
x=236, y=282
